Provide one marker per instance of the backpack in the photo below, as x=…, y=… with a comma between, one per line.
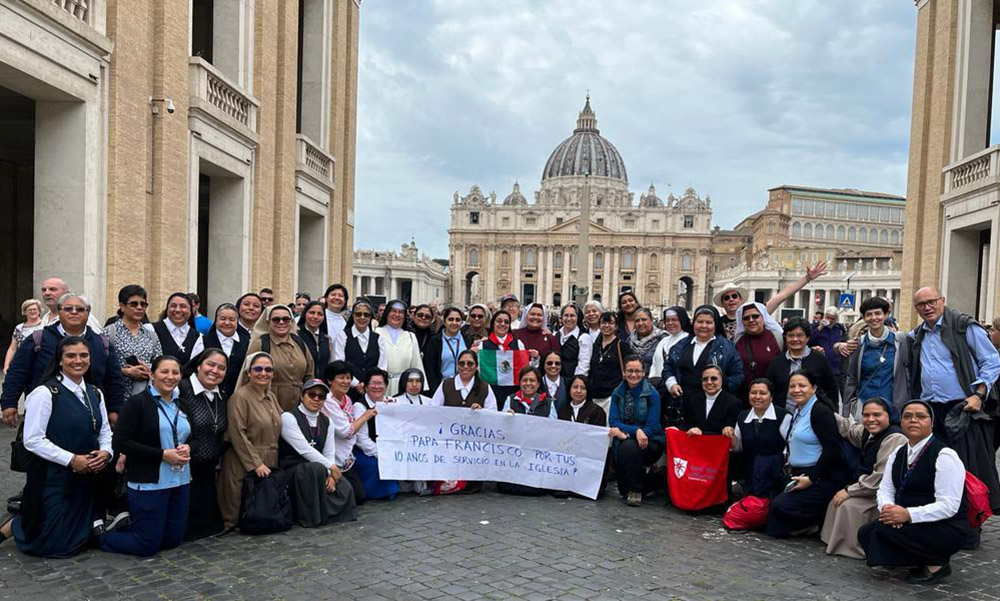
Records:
x=265, y=503
x=749, y=513
x=978, y=496
x=36, y=337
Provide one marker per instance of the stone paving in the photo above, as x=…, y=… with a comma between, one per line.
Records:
x=487, y=546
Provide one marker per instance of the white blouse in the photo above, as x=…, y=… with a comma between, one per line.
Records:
x=292, y=434
x=38, y=410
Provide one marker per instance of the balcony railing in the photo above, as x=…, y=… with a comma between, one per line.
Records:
x=313, y=160
x=215, y=93
x=973, y=172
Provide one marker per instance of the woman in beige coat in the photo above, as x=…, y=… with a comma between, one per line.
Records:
x=253, y=432
x=877, y=437
x=293, y=363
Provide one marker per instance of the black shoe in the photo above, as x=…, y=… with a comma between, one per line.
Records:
x=120, y=522
x=14, y=506
x=928, y=578
x=916, y=571
x=97, y=529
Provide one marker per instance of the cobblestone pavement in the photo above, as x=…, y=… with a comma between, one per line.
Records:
x=487, y=546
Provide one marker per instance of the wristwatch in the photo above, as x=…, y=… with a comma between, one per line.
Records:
x=981, y=395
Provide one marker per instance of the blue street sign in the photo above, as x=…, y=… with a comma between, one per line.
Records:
x=846, y=300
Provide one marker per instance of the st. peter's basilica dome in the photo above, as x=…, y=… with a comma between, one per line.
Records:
x=586, y=151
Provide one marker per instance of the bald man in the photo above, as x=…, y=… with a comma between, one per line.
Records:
x=52, y=289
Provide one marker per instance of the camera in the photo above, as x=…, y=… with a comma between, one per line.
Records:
x=170, y=106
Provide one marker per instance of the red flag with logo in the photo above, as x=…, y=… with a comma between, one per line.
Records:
x=697, y=468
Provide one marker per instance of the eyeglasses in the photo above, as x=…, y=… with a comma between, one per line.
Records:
x=316, y=396
x=466, y=363
x=476, y=316
x=914, y=417
x=555, y=363
x=927, y=303
x=281, y=319
x=731, y=296
x=137, y=304
x=262, y=369
x=753, y=317
x=710, y=379
x=362, y=315
x=374, y=384
x=423, y=315
x=72, y=309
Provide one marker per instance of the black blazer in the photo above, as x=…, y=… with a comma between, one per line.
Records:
x=320, y=352
x=590, y=413
x=725, y=412
x=827, y=391
x=432, y=358
x=137, y=436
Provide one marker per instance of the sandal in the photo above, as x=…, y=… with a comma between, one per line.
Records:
x=6, y=524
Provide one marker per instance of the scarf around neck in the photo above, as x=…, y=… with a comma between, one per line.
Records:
x=527, y=402
x=641, y=346
x=505, y=344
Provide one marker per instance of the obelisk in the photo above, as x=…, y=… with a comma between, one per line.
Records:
x=583, y=245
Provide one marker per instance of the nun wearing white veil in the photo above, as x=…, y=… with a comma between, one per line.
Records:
x=758, y=339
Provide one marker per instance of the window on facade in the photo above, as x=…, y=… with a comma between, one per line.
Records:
x=862, y=235
x=863, y=212
x=842, y=210
x=770, y=228
x=557, y=260
x=474, y=258
x=885, y=215
x=504, y=259
x=796, y=206
x=852, y=211
x=529, y=258
x=831, y=209
x=530, y=221
x=474, y=217
x=894, y=237
x=654, y=261
x=841, y=233
x=814, y=259
x=600, y=221
x=883, y=237
x=627, y=260
x=559, y=220
x=598, y=261
x=829, y=232
x=808, y=231
x=688, y=221
x=506, y=221
x=686, y=262
x=630, y=223
x=797, y=229
x=852, y=234
x=656, y=224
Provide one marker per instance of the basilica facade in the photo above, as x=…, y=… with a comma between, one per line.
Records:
x=658, y=248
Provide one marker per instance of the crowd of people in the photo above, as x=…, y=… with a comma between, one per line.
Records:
x=142, y=433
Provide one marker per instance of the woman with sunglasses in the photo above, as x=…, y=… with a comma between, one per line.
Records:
x=135, y=345
x=759, y=340
x=253, y=429
x=711, y=410
x=176, y=330
x=477, y=328
x=226, y=336
x=293, y=363
x=500, y=338
x=359, y=346
x=423, y=326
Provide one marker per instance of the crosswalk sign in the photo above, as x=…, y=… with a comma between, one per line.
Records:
x=846, y=300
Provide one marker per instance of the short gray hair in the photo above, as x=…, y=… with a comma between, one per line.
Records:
x=72, y=295
x=594, y=303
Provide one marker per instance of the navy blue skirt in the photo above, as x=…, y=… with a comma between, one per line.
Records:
x=375, y=488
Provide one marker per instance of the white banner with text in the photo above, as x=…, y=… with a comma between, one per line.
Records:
x=451, y=443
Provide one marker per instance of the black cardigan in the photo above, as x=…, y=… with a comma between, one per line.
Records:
x=432, y=358
x=827, y=390
x=724, y=413
x=830, y=463
x=137, y=436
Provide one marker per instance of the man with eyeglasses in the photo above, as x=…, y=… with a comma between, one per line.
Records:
x=35, y=352
x=952, y=366
x=732, y=297
x=266, y=297
x=923, y=513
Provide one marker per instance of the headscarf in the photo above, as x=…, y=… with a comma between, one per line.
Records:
x=682, y=316
x=770, y=325
x=405, y=376
x=710, y=310
x=263, y=322
x=870, y=443
x=524, y=316
x=354, y=308
x=383, y=322
x=485, y=331
x=245, y=370
x=917, y=401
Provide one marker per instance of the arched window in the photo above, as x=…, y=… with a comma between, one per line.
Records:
x=819, y=231
x=686, y=263
x=598, y=261
x=654, y=261
x=808, y=232
x=529, y=257
x=474, y=257
x=504, y=259
x=895, y=237
x=627, y=260
x=797, y=229
x=557, y=260
x=862, y=234
x=883, y=237
x=841, y=233
x=852, y=233
x=829, y=232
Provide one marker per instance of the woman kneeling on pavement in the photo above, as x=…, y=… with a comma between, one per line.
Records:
x=638, y=439
x=878, y=436
x=67, y=435
x=307, y=451
x=152, y=432
x=528, y=401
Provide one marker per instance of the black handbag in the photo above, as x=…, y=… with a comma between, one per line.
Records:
x=20, y=457
x=265, y=503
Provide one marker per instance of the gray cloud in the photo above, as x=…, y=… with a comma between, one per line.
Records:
x=730, y=96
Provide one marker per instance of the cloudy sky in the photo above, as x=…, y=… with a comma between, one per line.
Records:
x=731, y=97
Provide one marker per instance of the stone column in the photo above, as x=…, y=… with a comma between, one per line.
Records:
x=515, y=277
x=549, y=280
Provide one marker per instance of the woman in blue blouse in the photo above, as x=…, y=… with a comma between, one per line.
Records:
x=152, y=432
x=814, y=460
x=638, y=438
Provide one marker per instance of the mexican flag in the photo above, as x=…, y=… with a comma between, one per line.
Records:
x=502, y=367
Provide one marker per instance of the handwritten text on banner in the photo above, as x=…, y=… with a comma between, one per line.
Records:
x=449, y=443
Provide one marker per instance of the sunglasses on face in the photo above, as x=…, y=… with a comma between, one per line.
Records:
x=284, y=319
x=731, y=296
x=423, y=315
x=466, y=363
x=753, y=317
x=137, y=304
x=262, y=369
x=74, y=309
x=477, y=316
x=710, y=379
x=362, y=315
x=316, y=396
x=553, y=363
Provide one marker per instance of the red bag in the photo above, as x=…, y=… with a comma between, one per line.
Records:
x=749, y=513
x=697, y=468
x=449, y=487
x=979, y=500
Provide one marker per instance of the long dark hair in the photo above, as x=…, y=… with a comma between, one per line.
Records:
x=184, y=295
x=621, y=312
x=192, y=366
x=302, y=317
x=54, y=368
x=586, y=383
